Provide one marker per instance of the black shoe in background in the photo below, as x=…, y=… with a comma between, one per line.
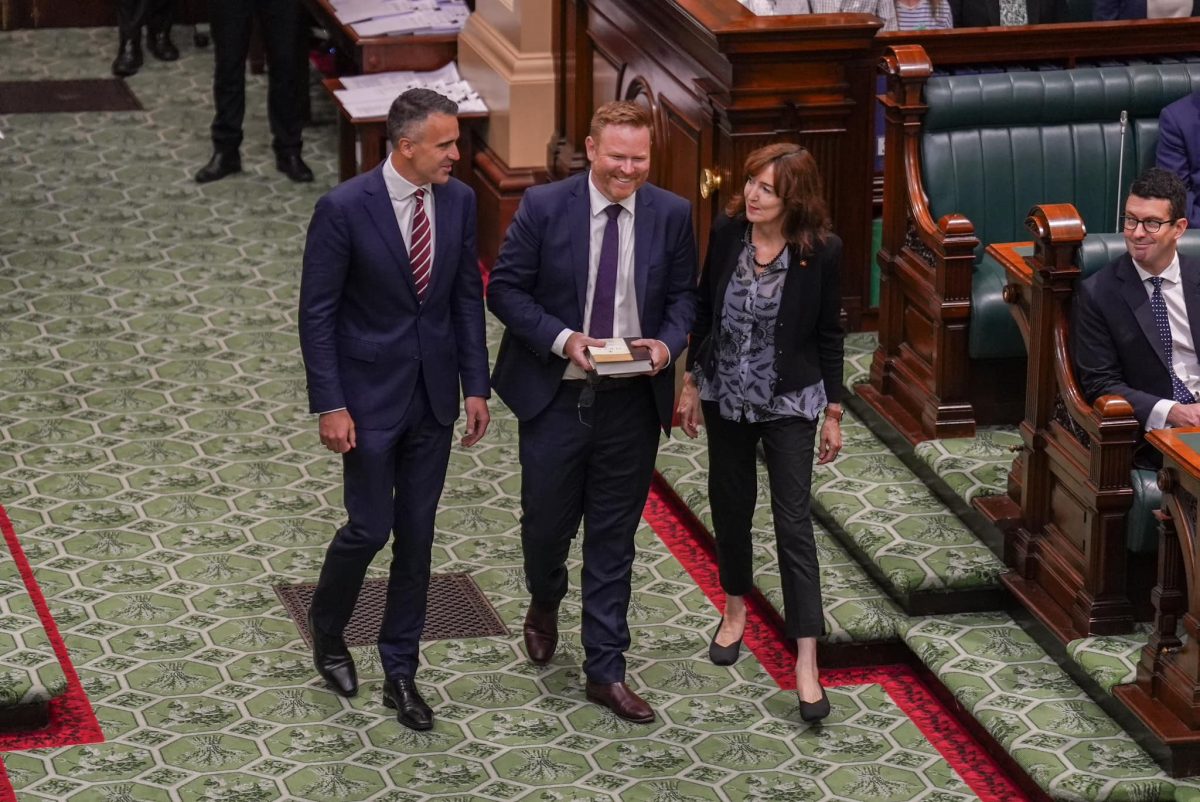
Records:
x=161, y=47
x=129, y=57
x=400, y=694
x=222, y=163
x=291, y=165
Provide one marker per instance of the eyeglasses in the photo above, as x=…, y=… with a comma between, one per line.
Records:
x=1130, y=223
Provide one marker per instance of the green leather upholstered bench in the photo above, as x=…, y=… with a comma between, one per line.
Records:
x=966, y=157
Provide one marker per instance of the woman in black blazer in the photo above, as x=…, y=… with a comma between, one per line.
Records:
x=764, y=361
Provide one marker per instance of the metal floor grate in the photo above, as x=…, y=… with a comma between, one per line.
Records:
x=40, y=97
x=456, y=608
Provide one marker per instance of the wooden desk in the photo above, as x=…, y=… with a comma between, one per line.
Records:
x=362, y=141
x=384, y=53
x=1166, y=696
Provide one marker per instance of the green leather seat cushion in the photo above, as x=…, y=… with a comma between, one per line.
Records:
x=993, y=333
x=1141, y=528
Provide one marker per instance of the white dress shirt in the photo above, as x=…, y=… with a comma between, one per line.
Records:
x=1164, y=9
x=625, y=311
x=400, y=191
x=1183, y=350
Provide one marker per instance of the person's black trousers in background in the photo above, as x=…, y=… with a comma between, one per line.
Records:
x=733, y=486
x=280, y=26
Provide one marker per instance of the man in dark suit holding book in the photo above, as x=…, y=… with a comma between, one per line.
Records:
x=596, y=256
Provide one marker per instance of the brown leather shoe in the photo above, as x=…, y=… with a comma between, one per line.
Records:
x=622, y=701
x=541, y=633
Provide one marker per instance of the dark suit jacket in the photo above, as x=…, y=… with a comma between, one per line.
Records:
x=539, y=286
x=1114, y=340
x=981, y=13
x=809, y=339
x=364, y=336
x=1179, y=148
x=1126, y=9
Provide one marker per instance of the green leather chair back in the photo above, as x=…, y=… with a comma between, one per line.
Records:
x=1079, y=10
x=996, y=144
x=1098, y=250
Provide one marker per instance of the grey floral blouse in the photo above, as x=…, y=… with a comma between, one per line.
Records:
x=744, y=383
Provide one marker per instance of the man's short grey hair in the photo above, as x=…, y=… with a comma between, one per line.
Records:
x=412, y=108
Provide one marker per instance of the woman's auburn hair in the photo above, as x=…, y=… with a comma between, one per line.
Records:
x=798, y=184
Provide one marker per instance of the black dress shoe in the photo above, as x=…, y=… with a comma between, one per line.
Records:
x=621, y=700
x=291, y=165
x=333, y=660
x=400, y=694
x=222, y=163
x=161, y=47
x=129, y=57
x=814, y=711
x=541, y=633
x=723, y=655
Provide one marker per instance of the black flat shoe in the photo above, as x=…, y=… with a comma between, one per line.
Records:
x=814, y=711
x=222, y=163
x=724, y=655
x=161, y=47
x=291, y=165
x=401, y=695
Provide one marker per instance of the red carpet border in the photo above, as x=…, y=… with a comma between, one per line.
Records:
x=670, y=520
x=72, y=720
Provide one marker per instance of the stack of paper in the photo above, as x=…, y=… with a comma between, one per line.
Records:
x=372, y=95
x=399, y=17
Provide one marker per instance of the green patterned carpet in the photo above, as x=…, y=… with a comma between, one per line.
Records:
x=162, y=474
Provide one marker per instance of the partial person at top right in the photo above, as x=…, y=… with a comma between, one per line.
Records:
x=1179, y=149
x=981, y=13
x=1144, y=9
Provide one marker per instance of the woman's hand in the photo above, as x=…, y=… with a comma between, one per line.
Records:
x=831, y=440
x=690, y=416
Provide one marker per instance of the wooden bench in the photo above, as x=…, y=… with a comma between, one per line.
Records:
x=966, y=156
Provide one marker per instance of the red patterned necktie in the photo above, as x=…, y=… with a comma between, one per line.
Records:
x=420, y=254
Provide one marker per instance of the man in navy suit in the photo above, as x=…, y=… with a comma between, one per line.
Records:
x=1179, y=149
x=391, y=322
x=1137, y=320
x=599, y=255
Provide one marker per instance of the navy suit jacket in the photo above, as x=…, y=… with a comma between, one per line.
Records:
x=1126, y=9
x=1114, y=338
x=1179, y=148
x=981, y=13
x=365, y=337
x=539, y=286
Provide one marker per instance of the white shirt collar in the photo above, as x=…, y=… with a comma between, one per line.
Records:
x=599, y=203
x=1170, y=275
x=400, y=188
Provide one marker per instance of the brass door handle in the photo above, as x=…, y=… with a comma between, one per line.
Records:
x=710, y=182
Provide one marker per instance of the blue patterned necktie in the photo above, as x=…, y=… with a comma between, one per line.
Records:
x=604, y=294
x=1159, y=307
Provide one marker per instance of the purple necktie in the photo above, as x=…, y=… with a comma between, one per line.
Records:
x=604, y=296
x=1158, y=306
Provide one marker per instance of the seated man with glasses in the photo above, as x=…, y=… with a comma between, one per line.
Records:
x=1137, y=320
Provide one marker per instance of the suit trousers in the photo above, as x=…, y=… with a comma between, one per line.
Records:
x=393, y=480
x=154, y=15
x=281, y=32
x=733, y=489
x=592, y=463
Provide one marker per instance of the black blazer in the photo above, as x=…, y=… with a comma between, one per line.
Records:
x=1127, y=9
x=1114, y=340
x=808, y=330
x=980, y=13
